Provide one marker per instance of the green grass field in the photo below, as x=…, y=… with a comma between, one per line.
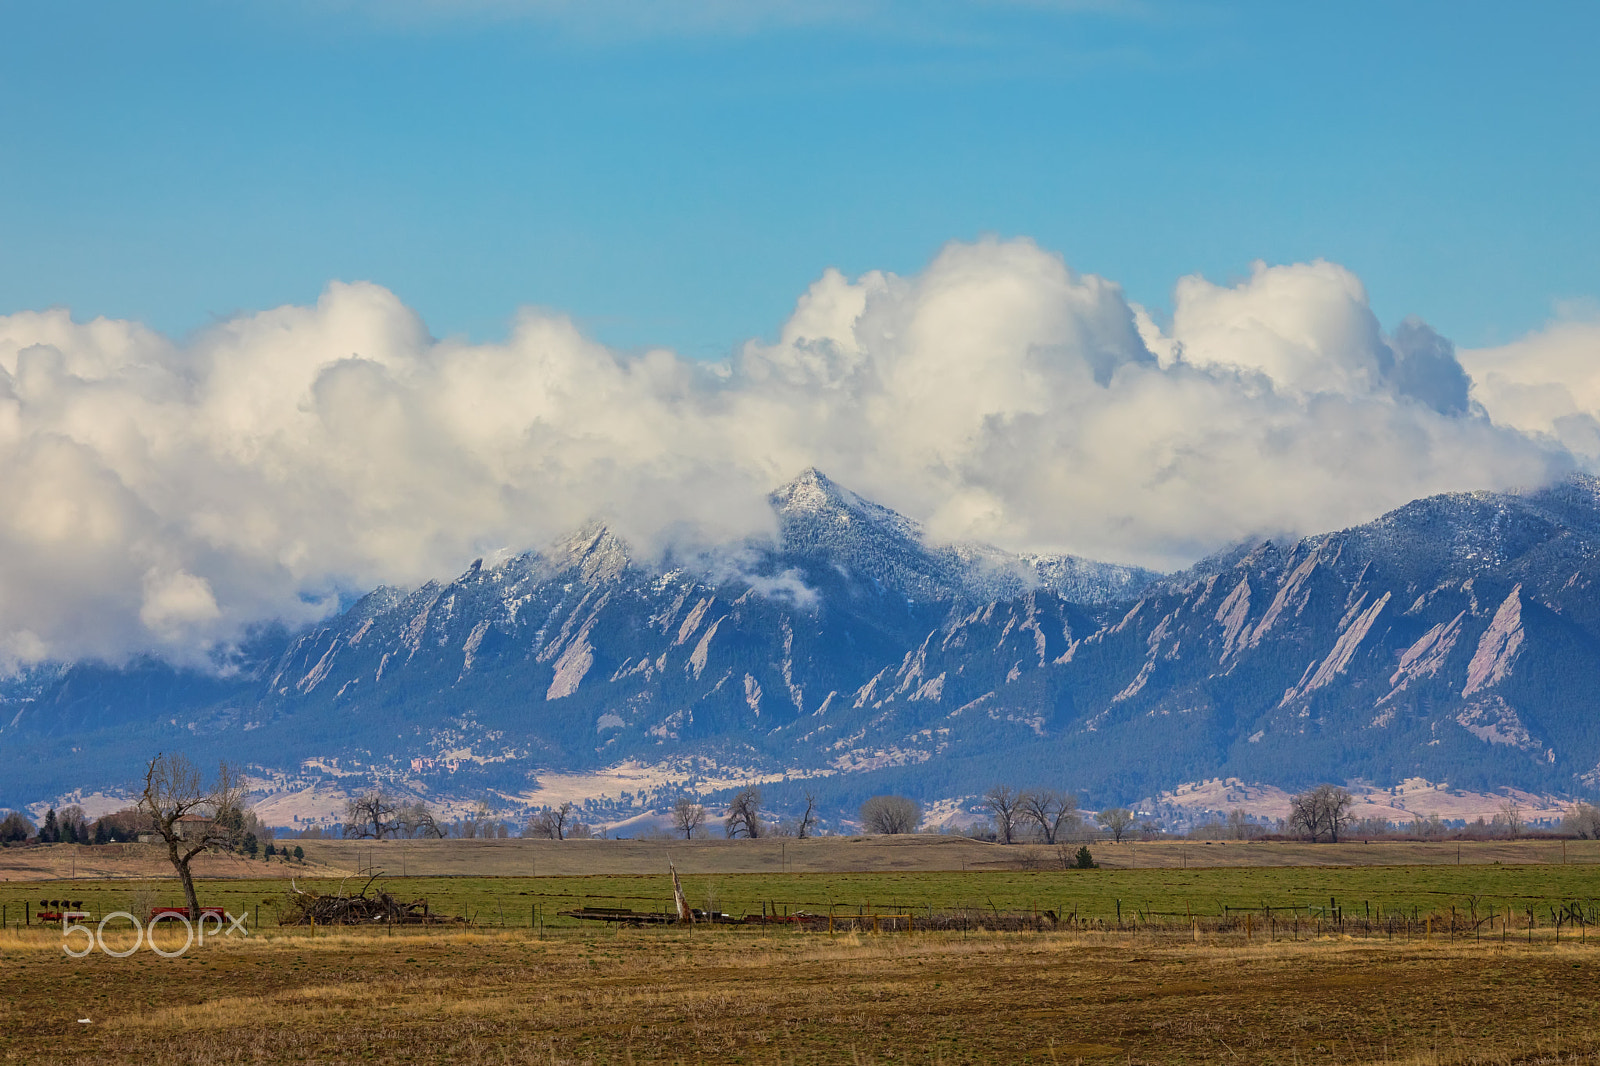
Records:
x=1093, y=894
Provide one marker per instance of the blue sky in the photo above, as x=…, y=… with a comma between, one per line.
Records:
x=676, y=173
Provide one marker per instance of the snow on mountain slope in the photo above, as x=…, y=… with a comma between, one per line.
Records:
x=1455, y=638
x=819, y=519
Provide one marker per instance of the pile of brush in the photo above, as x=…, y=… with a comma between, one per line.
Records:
x=338, y=908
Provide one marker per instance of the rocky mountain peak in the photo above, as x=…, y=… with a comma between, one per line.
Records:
x=811, y=490
x=1455, y=638
x=597, y=553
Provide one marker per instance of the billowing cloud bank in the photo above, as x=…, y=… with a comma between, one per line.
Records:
x=164, y=496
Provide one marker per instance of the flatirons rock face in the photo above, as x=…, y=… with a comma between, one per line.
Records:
x=1457, y=638
x=578, y=656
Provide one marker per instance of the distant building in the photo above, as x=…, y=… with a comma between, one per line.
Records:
x=193, y=826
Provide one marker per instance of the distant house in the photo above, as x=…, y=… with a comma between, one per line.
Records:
x=193, y=826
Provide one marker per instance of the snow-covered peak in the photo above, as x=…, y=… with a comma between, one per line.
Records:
x=818, y=517
x=811, y=491
x=1087, y=581
x=815, y=498
x=598, y=553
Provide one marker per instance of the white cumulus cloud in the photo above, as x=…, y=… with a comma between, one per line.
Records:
x=164, y=497
x=1546, y=384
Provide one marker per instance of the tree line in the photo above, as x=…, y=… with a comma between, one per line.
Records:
x=1048, y=816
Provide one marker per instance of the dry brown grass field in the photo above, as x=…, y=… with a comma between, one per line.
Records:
x=914, y=852
x=1224, y=992
x=635, y=996
x=917, y=852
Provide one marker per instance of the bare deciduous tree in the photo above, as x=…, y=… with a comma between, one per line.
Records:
x=1116, y=821
x=890, y=815
x=808, y=820
x=1430, y=828
x=416, y=820
x=1048, y=810
x=550, y=823
x=687, y=816
x=1323, y=811
x=744, y=814
x=1372, y=827
x=1240, y=827
x=1002, y=803
x=371, y=817
x=1583, y=820
x=191, y=815
x=1510, y=817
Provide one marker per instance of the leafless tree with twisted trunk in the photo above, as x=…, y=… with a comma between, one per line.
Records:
x=371, y=817
x=190, y=814
x=1002, y=803
x=744, y=814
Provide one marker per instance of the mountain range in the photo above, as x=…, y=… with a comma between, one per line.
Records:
x=1456, y=638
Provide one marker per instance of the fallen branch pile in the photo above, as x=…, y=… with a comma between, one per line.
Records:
x=380, y=908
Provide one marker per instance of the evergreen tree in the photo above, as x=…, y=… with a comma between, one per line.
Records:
x=50, y=832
